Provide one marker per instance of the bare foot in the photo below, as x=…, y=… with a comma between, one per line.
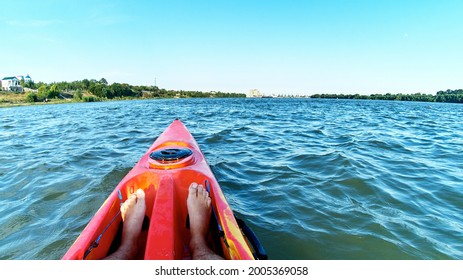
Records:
x=133, y=213
x=199, y=210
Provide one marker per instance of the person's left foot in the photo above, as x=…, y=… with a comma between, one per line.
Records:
x=133, y=213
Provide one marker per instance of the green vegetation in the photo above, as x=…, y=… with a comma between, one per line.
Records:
x=450, y=96
x=31, y=97
x=78, y=95
x=93, y=91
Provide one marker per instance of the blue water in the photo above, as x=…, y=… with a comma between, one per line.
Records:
x=315, y=179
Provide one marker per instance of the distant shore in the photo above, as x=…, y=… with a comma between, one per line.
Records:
x=9, y=99
x=95, y=91
x=12, y=99
x=448, y=96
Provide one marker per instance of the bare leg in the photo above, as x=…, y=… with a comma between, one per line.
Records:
x=133, y=213
x=199, y=209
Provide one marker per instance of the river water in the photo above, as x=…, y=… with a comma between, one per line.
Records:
x=315, y=179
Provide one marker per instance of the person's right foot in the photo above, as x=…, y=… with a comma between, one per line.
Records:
x=199, y=210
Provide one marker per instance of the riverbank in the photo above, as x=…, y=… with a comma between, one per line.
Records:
x=92, y=91
x=52, y=95
x=448, y=96
x=13, y=99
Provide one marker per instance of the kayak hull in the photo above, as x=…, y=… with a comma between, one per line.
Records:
x=165, y=234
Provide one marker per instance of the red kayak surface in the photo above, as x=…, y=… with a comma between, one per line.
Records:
x=165, y=177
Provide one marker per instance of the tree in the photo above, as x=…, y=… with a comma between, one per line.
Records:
x=31, y=97
x=103, y=81
x=53, y=92
x=42, y=93
x=85, y=84
x=29, y=84
x=78, y=95
x=441, y=98
x=99, y=90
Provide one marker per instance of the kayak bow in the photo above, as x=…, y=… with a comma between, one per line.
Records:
x=165, y=172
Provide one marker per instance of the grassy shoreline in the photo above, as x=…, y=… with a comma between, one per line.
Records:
x=86, y=90
x=12, y=99
x=9, y=100
x=94, y=91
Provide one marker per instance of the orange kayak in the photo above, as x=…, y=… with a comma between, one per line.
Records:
x=165, y=172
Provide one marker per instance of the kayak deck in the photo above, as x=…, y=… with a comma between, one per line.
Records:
x=165, y=233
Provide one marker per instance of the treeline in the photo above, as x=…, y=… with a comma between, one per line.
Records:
x=451, y=96
x=97, y=90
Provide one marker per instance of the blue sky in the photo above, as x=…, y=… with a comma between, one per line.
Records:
x=287, y=47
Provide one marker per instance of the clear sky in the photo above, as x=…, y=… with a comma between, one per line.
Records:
x=287, y=46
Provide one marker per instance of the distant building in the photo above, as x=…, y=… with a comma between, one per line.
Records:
x=14, y=83
x=26, y=79
x=11, y=84
x=255, y=93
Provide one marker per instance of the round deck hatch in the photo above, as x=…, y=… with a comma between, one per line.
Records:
x=171, y=154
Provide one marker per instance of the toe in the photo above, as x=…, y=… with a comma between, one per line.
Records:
x=201, y=191
x=140, y=194
x=193, y=190
x=205, y=194
x=132, y=198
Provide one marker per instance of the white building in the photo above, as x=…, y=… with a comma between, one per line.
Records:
x=11, y=84
x=255, y=93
